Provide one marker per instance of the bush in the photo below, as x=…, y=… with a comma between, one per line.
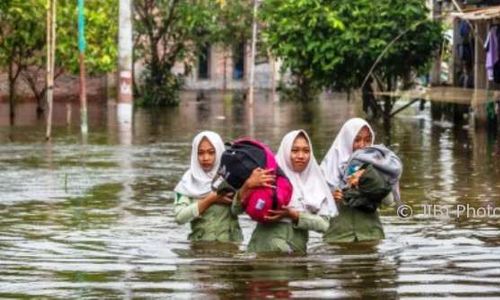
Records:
x=163, y=92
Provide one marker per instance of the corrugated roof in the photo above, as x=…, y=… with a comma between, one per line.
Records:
x=486, y=13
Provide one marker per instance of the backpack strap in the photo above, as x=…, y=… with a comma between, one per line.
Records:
x=275, y=199
x=279, y=173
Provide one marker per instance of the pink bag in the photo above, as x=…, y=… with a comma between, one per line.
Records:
x=260, y=200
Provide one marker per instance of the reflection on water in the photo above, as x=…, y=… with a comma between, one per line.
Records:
x=95, y=219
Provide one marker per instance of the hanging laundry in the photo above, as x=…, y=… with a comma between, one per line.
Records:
x=465, y=48
x=492, y=58
x=465, y=51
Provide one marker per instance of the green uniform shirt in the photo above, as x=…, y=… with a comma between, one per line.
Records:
x=218, y=222
x=354, y=225
x=282, y=237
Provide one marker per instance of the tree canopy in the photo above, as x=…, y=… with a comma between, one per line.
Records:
x=169, y=31
x=334, y=43
x=23, y=36
x=323, y=43
x=101, y=35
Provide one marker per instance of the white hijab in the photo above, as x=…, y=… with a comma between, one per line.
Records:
x=341, y=149
x=196, y=182
x=310, y=190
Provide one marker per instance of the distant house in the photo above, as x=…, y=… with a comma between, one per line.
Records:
x=218, y=68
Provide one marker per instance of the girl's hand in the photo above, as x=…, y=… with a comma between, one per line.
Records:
x=209, y=200
x=353, y=180
x=224, y=199
x=260, y=178
x=284, y=212
x=338, y=195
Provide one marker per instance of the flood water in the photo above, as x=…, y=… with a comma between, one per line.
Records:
x=94, y=218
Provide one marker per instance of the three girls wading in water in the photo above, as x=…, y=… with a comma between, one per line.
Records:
x=355, y=176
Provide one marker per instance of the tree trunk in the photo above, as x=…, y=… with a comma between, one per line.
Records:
x=304, y=89
x=11, y=101
x=13, y=75
x=31, y=77
x=40, y=97
x=388, y=101
x=370, y=104
x=155, y=63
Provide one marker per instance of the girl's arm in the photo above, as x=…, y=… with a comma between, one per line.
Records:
x=314, y=222
x=302, y=220
x=389, y=200
x=187, y=209
x=236, y=206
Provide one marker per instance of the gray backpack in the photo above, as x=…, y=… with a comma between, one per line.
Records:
x=383, y=171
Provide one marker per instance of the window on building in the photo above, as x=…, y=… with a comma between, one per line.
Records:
x=239, y=61
x=204, y=63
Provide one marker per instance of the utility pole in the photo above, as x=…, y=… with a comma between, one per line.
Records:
x=125, y=61
x=83, y=89
x=252, y=55
x=51, y=47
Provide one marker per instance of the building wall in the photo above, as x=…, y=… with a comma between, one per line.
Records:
x=221, y=67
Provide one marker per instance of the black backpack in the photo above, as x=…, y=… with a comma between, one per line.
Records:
x=237, y=164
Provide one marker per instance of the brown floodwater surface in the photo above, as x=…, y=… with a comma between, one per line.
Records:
x=94, y=218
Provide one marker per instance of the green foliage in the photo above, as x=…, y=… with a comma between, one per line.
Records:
x=334, y=43
x=233, y=23
x=101, y=32
x=164, y=94
x=28, y=18
x=170, y=31
x=23, y=38
x=165, y=32
x=21, y=35
x=374, y=26
x=299, y=32
x=20, y=39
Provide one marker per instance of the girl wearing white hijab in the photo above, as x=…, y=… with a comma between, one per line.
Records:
x=350, y=138
x=212, y=217
x=351, y=224
x=311, y=205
